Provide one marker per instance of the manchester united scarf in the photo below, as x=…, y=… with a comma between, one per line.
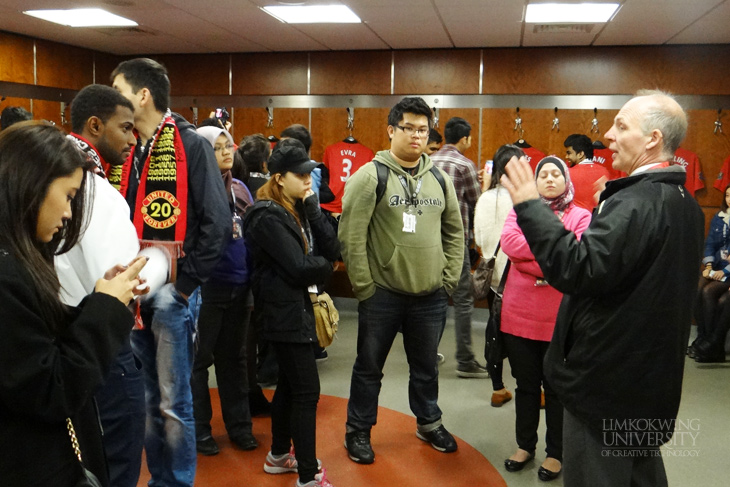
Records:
x=160, y=210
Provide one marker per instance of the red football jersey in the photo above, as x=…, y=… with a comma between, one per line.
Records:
x=584, y=177
x=342, y=160
x=604, y=157
x=723, y=179
x=691, y=163
x=533, y=156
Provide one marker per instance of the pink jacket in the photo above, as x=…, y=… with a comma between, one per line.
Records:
x=529, y=311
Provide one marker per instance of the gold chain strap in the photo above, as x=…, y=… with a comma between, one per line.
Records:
x=74, y=441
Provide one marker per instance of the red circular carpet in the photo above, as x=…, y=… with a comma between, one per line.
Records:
x=401, y=459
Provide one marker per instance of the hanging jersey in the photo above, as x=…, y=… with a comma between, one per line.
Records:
x=533, y=156
x=343, y=159
x=691, y=163
x=723, y=179
x=584, y=177
x=604, y=157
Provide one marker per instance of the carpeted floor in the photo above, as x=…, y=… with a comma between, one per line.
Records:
x=401, y=459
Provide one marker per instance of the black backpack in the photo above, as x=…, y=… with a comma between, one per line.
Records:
x=383, y=171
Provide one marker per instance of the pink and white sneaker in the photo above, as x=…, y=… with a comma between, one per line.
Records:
x=320, y=480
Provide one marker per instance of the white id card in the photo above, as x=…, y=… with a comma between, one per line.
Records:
x=409, y=222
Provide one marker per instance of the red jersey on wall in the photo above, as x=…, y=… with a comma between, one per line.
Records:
x=533, y=156
x=723, y=179
x=691, y=163
x=342, y=159
x=584, y=177
x=604, y=157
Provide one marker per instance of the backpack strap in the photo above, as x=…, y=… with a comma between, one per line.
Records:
x=383, y=171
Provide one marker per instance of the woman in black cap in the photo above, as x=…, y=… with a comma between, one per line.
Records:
x=293, y=248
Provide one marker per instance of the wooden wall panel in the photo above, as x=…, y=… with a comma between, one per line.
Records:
x=247, y=121
x=437, y=71
x=349, y=73
x=609, y=70
x=270, y=74
x=51, y=111
x=15, y=102
x=329, y=125
x=711, y=148
x=196, y=74
x=105, y=65
x=16, y=58
x=63, y=66
x=471, y=115
x=498, y=128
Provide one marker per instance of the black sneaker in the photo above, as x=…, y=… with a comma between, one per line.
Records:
x=358, y=447
x=439, y=438
x=244, y=441
x=206, y=446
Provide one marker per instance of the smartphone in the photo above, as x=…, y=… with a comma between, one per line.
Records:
x=488, y=167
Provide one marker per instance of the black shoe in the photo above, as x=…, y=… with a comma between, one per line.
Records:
x=358, y=447
x=515, y=466
x=707, y=352
x=244, y=441
x=547, y=475
x=439, y=438
x=206, y=446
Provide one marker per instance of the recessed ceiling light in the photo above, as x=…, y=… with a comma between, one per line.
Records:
x=313, y=14
x=557, y=13
x=82, y=17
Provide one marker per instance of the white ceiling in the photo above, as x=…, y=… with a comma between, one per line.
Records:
x=200, y=26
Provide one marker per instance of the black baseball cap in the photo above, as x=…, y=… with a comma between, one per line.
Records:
x=289, y=155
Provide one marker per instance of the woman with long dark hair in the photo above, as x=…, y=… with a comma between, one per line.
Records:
x=490, y=214
x=294, y=248
x=529, y=311
x=52, y=357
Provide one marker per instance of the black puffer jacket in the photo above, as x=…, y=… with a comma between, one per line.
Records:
x=282, y=271
x=619, y=344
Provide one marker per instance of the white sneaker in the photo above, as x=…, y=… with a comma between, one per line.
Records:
x=286, y=463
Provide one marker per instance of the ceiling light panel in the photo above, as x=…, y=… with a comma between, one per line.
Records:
x=571, y=13
x=82, y=17
x=313, y=14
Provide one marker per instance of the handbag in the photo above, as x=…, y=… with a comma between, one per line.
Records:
x=494, y=349
x=482, y=278
x=88, y=479
x=326, y=318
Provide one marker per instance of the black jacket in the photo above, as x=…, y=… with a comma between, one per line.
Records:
x=209, y=218
x=619, y=344
x=282, y=271
x=46, y=377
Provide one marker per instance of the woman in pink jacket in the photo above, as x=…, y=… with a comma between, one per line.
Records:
x=529, y=310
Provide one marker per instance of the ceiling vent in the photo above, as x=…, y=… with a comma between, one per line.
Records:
x=126, y=31
x=562, y=28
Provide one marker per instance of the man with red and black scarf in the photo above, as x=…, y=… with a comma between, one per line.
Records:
x=177, y=200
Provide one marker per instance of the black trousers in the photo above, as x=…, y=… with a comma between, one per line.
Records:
x=222, y=328
x=294, y=406
x=526, y=358
x=588, y=462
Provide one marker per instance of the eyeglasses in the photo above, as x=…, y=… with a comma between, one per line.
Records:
x=219, y=148
x=422, y=132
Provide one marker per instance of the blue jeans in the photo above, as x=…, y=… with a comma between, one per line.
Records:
x=121, y=411
x=422, y=320
x=463, y=307
x=165, y=348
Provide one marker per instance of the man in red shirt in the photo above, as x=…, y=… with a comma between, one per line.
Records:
x=583, y=172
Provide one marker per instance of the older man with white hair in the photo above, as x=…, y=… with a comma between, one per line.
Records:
x=617, y=355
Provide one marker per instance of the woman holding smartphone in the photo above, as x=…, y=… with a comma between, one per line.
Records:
x=52, y=356
x=293, y=247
